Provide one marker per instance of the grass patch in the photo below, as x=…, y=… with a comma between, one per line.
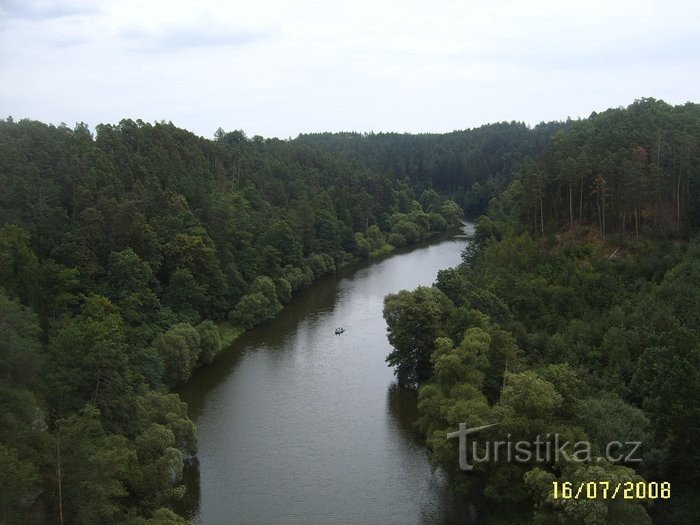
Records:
x=228, y=333
x=387, y=248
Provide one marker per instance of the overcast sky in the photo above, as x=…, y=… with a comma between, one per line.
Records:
x=283, y=67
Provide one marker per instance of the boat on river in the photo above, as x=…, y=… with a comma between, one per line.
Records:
x=339, y=330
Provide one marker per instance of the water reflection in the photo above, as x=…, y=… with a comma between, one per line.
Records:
x=188, y=506
x=402, y=411
x=299, y=425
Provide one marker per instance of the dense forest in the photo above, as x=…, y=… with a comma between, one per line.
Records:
x=125, y=257
x=472, y=165
x=575, y=312
x=131, y=255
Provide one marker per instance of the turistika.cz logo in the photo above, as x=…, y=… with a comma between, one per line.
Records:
x=548, y=449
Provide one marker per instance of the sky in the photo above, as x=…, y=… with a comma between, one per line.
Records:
x=278, y=68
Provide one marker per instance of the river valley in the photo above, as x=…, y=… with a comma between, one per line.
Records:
x=299, y=425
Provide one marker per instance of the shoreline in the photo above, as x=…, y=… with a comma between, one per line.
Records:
x=229, y=333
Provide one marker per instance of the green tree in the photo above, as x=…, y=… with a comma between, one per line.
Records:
x=258, y=304
x=185, y=295
x=161, y=464
x=451, y=211
x=196, y=254
x=414, y=320
x=93, y=469
x=129, y=279
x=19, y=479
x=89, y=362
x=209, y=341
x=582, y=510
x=179, y=349
x=20, y=356
x=171, y=412
x=18, y=264
x=281, y=237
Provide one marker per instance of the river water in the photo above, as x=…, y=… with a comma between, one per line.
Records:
x=299, y=425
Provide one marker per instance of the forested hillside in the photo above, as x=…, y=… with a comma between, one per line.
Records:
x=131, y=254
x=629, y=172
x=576, y=313
x=473, y=165
x=118, y=253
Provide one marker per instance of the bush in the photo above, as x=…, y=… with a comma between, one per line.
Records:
x=321, y=264
x=209, y=341
x=396, y=239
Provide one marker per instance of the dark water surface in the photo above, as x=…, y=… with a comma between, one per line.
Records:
x=299, y=425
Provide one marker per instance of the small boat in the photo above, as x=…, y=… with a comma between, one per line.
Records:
x=339, y=330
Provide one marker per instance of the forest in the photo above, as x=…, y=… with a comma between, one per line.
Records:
x=575, y=312
x=472, y=165
x=129, y=257
x=132, y=254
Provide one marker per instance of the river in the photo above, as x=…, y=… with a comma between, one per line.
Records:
x=299, y=425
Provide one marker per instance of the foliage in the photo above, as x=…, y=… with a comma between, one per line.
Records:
x=576, y=310
x=592, y=344
x=473, y=165
x=119, y=251
x=209, y=341
x=414, y=321
x=179, y=350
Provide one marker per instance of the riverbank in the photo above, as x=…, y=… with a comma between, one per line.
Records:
x=229, y=332
x=298, y=425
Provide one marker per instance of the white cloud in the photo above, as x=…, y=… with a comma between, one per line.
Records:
x=44, y=9
x=279, y=68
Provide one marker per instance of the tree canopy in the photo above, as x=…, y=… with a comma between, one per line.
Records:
x=575, y=312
